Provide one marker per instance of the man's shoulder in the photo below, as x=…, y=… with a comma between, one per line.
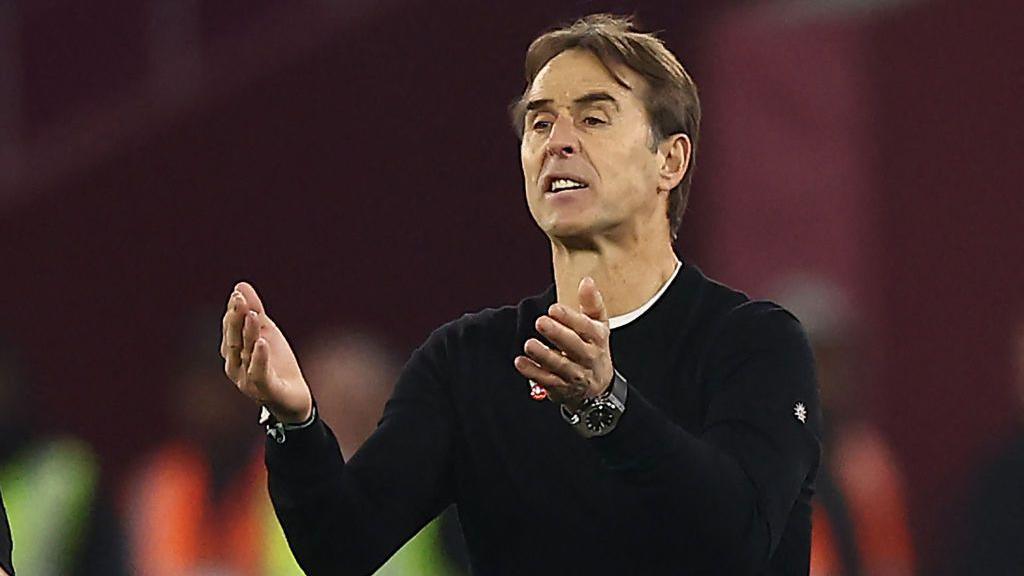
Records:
x=498, y=322
x=731, y=315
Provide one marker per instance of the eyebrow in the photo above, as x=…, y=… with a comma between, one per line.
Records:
x=587, y=98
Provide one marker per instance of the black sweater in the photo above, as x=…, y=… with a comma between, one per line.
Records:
x=709, y=471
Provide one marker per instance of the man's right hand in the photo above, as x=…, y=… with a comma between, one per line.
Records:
x=258, y=359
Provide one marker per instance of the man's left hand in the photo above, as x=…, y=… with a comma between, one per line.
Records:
x=579, y=366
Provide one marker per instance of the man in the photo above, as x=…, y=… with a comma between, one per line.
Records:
x=6, y=569
x=682, y=432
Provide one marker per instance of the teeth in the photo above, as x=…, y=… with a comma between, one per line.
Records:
x=565, y=184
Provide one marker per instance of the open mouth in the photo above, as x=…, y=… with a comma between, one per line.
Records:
x=556, y=185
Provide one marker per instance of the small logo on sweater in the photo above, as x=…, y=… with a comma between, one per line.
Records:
x=800, y=411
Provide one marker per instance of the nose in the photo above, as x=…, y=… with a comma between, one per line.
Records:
x=562, y=140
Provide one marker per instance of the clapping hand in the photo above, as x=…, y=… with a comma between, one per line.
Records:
x=580, y=364
x=258, y=359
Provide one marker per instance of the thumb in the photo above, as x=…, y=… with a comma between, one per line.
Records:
x=591, y=301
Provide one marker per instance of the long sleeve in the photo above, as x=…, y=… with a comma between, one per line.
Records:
x=729, y=489
x=349, y=517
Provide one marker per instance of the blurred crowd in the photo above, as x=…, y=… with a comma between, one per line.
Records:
x=197, y=504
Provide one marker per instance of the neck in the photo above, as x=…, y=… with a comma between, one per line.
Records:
x=627, y=273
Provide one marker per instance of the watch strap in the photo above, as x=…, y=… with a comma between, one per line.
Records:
x=277, y=430
x=613, y=399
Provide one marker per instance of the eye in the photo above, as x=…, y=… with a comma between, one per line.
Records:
x=593, y=121
x=541, y=125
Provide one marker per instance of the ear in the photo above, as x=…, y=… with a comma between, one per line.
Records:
x=674, y=156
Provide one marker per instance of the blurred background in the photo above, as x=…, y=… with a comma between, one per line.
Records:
x=860, y=162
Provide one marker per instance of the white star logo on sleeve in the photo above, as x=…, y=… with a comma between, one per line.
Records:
x=800, y=411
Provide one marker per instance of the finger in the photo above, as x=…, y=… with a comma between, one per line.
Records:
x=554, y=362
x=231, y=337
x=533, y=371
x=250, y=332
x=566, y=339
x=251, y=298
x=258, y=373
x=557, y=389
x=231, y=323
x=588, y=329
x=233, y=368
x=591, y=301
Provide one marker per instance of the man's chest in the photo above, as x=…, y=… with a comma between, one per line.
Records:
x=515, y=451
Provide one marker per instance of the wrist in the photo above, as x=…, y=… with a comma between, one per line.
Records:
x=277, y=429
x=287, y=414
x=598, y=415
x=293, y=418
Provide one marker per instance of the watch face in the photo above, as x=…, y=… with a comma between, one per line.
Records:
x=600, y=417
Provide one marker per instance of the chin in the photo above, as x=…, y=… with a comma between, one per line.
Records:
x=570, y=232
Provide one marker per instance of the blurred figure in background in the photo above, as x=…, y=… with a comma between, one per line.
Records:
x=860, y=515
x=993, y=538
x=352, y=375
x=59, y=513
x=6, y=568
x=198, y=505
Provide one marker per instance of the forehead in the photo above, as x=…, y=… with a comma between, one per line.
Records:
x=578, y=71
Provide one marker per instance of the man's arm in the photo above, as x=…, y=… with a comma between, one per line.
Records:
x=730, y=489
x=344, y=517
x=734, y=484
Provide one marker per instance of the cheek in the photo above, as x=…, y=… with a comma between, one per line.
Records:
x=530, y=161
x=629, y=167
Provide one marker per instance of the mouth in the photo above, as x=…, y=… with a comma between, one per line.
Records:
x=557, y=184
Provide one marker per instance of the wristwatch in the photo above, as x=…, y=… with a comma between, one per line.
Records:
x=599, y=415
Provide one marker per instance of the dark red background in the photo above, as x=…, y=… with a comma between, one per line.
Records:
x=355, y=162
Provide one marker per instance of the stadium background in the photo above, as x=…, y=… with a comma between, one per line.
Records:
x=355, y=162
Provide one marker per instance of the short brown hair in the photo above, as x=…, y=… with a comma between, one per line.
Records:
x=671, y=100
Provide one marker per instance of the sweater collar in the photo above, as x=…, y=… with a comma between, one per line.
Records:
x=623, y=319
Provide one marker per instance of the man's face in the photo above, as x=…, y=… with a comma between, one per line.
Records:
x=588, y=133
